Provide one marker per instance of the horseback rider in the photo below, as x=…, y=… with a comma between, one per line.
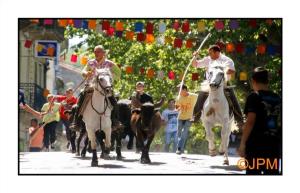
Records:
x=215, y=55
x=89, y=72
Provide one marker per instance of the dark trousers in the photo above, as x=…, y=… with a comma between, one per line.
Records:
x=49, y=133
x=34, y=149
x=70, y=134
x=232, y=101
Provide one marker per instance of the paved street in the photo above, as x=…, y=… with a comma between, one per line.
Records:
x=162, y=163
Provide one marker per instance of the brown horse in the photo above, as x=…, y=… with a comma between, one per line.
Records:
x=145, y=122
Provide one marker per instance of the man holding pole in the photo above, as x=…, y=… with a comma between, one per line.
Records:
x=228, y=64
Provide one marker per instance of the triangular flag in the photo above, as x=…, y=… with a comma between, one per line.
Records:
x=162, y=27
x=229, y=47
x=84, y=60
x=219, y=25
x=253, y=23
x=177, y=43
x=261, y=49
x=48, y=22
x=150, y=73
x=62, y=22
x=129, y=70
x=243, y=76
x=160, y=74
x=234, y=24
x=110, y=31
x=176, y=25
x=119, y=26
x=28, y=43
x=77, y=23
x=149, y=28
x=185, y=27
x=119, y=34
x=139, y=26
x=189, y=43
x=142, y=71
x=74, y=58
x=168, y=40
x=92, y=24
x=149, y=38
x=240, y=48
x=140, y=37
x=201, y=26
x=105, y=25
x=129, y=35
x=85, y=24
x=195, y=76
x=171, y=75
x=70, y=22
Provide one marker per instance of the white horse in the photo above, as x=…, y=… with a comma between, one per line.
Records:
x=216, y=111
x=98, y=110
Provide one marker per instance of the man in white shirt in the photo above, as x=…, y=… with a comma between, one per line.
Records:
x=216, y=57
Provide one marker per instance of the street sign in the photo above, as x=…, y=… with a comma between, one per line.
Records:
x=46, y=48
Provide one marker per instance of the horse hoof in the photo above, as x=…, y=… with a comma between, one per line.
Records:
x=119, y=157
x=226, y=162
x=212, y=153
x=94, y=163
x=102, y=156
x=221, y=153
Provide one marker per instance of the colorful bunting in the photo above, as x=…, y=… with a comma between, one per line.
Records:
x=119, y=26
x=85, y=24
x=140, y=37
x=150, y=73
x=177, y=43
x=271, y=50
x=168, y=40
x=252, y=23
x=269, y=21
x=62, y=22
x=92, y=24
x=110, y=31
x=162, y=27
x=149, y=38
x=48, y=22
x=142, y=71
x=160, y=74
x=185, y=27
x=149, y=28
x=176, y=25
x=195, y=76
x=171, y=75
x=229, y=47
x=160, y=40
x=261, y=49
x=219, y=25
x=129, y=70
x=77, y=23
x=129, y=35
x=105, y=25
x=233, y=24
x=84, y=60
x=74, y=58
x=35, y=21
x=201, y=26
x=99, y=28
x=189, y=43
x=70, y=22
x=119, y=34
x=139, y=26
x=243, y=76
x=250, y=49
x=240, y=48
x=28, y=43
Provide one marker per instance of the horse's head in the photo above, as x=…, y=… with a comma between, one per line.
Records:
x=104, y=80
x=216, y=76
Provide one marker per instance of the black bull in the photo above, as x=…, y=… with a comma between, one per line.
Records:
x=145, y=124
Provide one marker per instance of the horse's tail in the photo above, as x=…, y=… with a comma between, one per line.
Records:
x=232, y=125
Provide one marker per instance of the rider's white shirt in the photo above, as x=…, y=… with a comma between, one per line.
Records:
x=223, y=61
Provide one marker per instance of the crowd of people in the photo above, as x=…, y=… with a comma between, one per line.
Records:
x=260, y=136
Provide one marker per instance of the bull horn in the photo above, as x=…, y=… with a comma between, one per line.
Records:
x=161, y=102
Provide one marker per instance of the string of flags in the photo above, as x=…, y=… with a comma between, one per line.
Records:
x=144, y=32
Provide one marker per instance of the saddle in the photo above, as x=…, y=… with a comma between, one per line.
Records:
x=87, y=97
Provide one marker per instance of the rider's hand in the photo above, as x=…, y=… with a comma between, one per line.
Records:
x=195, y=54
x=89, y=74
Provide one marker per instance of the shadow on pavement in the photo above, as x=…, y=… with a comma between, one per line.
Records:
x=111, y=166
x=228, y=168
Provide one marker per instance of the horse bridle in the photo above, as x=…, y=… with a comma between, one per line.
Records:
x=218, y=82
